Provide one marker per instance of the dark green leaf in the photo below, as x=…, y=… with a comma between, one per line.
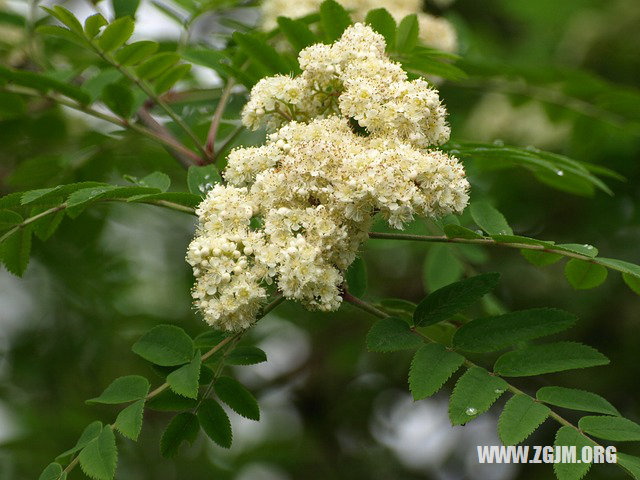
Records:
x=93, y=24
x=168, y=401
x=495, y=333
x=215, y=422
x=520, y=417
x=123, y=8
x=158, y=180
x=575, y=400
x=454, y=298
x=165, y=345
x=170, y=77
x=52, y=472
x=632, y=282
x=583, y=275
x=90, y=433
x=617, y=429
x=297, y=32
x=569, y=436
x=245, y=355
x=183, y=427
x=441, y=267
x=135, y=53
x=202, y=179
x=630, y=463
x=549, y=358
x=356, y=277
x=124, y=390
x=234, y=394
x=129, y=421
x=118, y=99
x=456, y=231
x=473, y=394
x=210, y=339
x=99, y=458
x=9, y=219
x=334, y=20
x=185, y=380
x=586, y=250
x=261, y=52
x=431, y=367
x=115, y=34
x=181, y=198
x=157, y=64
x=383, y=23
x=489, y=219
x=391, y=334
x=15, y=251
x=407, y=35
x=47, y=225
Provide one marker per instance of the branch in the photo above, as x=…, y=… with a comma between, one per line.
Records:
x=217, y=116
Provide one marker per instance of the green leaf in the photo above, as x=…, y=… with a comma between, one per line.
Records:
x=632, y=282
x=407, y=35
x=158, y=180
x=356, y=277
x=170, y=77
x=115, y=34
x=118, y=99
x=165, y=345
x=43, y=83
x=548, y=358
x=297, y=32
x=432, y=66
x=246, y=355
x=489, y=219
x=520, y=417
x=383, y=23
x=181, y=198
x=129, y=421
x=261, y=52
x=456, y=297
x=47, y=225
x=541, y=259
x=168, y=401
x=93, y=24
x=52, y=472
x=157, y=64
x=234, y=394
x=9, y=219
x=569, y=436
x=441, y=267
x=99, y=458
x=135, y=53
x=587, y=250
x=215, y=422
x=66, y=18
x=15, y=251
x=630, y=463
x=575, y=400
x=398, y=305
x=475, y=391
x=456, y=231
x=185, y=380
x=123, y=390
x=183, y=427
x=617, y=429
x=210, y=339
x=431, y=367
x=90, y=433
x=621, y=266
x=202, y=179
x=583, y=275
x=334, y=20
x=391, y=334
x=123, y=8
x=496, y=333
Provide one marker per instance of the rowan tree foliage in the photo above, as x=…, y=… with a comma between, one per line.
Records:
x=423, y=202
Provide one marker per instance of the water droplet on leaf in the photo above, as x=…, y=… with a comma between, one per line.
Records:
x=471, y=411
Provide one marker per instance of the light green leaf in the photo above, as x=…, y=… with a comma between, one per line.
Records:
x=621, y=266
x=548, y=358
x=587, y=250
x=495, y=333
x=67, y=18
x=47, y=225
x=575, y=400
x=93, y=24
x=383, y=23
x=115, y=34
x=15, y=251
x=246, y=355
x=215, y=422
x=52, y=472
x=475, y=391
x=431, y=367
x=129, y=420
x=391, y=334
x=185, y=380
x=90, y=433
x=157, y=64
x=183, y=427
x=165, y=345
x=99, y=458
x=123, y=8
x=489, y=219
x=407, y=35
x=632, y=282
x=135, y=53
x=181, y=198
x=541, y=259
x=569, y=436
x=454, y=298
x=456, y=231
x=334, y=20
x=241, y=400
x=356, y=277
x=520, y=417
x=583, y=275
x=297, y=32
x=158, y=180
x=441, y=267
x=170, y=77
x=202, y=179
x=123, y=390
x=617, y=429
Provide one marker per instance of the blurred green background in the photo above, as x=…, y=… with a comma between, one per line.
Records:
x=330, y=409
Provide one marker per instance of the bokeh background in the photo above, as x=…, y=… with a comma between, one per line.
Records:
x=330, y=409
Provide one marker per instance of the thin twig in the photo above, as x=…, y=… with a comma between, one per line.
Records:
x=217, y=117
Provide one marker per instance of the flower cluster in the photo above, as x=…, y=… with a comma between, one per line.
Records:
x=435, y=32
x=350, y=138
